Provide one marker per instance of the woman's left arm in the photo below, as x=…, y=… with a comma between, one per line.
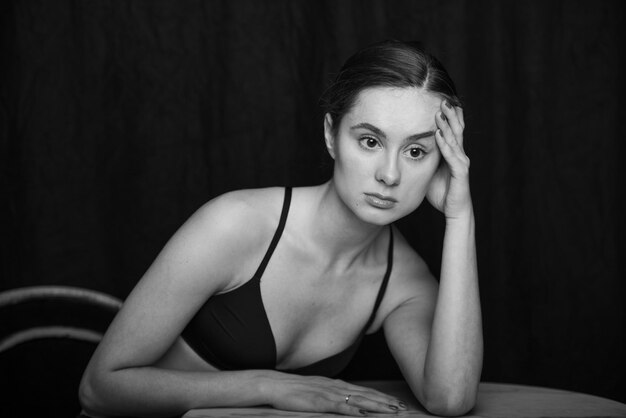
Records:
x=436, y=336
x=454, y=358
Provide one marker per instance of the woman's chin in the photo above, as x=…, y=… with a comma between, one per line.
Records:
x=379, y=217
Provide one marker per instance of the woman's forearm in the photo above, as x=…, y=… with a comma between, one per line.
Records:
x=149, y=391
x=454, y=359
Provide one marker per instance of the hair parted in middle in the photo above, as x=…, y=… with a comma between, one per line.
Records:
x=389, y=63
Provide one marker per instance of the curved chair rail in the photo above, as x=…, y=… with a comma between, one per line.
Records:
x=37, y=312
x=21, y=294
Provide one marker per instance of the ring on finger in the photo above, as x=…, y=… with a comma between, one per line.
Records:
x=348, y=398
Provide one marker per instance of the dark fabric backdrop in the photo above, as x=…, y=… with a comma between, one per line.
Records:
x=120, y=118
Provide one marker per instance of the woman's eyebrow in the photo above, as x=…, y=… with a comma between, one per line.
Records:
x=419, y=136
x=369, y=126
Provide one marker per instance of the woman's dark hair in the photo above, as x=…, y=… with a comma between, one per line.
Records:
x=388, y=63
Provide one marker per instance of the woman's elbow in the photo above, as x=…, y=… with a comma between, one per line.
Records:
x=451, y=403
x=88, y=395
x=449, y=409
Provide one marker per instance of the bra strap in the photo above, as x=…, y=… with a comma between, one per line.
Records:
x=277, y=234
x=383, y=285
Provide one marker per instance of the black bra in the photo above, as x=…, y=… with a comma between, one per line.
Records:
x=231, y=331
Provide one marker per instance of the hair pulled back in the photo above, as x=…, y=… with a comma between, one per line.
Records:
x=389, y=63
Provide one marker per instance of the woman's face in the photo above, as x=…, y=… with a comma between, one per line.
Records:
x=385, y=152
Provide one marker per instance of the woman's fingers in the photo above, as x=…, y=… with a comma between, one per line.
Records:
x=453, y=118
x=371, y=405
x=444, y=147
x=356, y=405
x=374, y=395
x=351, y=399
x=450, y=142
x=458, y=162
x=345, y=409
x=449, y=188
x=445, y=138
x=320, y=394
x=460, y=116
x=372, y=400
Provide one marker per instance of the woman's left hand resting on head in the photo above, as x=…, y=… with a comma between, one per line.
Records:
x=444, y=369
x=449, y=189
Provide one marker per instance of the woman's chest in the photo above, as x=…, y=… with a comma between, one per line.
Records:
x=315, y=311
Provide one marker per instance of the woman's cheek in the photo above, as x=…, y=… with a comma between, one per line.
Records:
x=355, y=166
x=419, y=182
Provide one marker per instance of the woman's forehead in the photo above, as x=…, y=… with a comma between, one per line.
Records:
x=393, y=108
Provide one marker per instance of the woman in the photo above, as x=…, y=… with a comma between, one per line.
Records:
x=327, y=267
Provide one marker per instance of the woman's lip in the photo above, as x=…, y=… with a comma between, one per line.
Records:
x=382, y=197
x=380, y=201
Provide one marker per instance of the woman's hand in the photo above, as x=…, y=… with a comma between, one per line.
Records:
x=320, y=394
x=449, y=188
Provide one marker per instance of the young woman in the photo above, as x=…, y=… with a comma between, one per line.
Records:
x=263, y=295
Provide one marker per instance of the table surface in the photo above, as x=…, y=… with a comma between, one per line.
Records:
x=494, y=400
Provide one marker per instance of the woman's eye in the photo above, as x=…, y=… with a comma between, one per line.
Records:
x=369, y=142
x=416, y=153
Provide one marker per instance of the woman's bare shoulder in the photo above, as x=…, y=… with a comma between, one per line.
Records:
x=410, y=280
x=246, y=212
x=411, y=276
x=222, y=240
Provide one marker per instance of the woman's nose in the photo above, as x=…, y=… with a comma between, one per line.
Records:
x=388, y=171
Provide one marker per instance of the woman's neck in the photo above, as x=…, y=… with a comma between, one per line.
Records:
x=334, y=227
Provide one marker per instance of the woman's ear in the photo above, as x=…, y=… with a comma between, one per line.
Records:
x=329, y=137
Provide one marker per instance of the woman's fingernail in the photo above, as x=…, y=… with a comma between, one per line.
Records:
x=393, y=407
x=402, y=405
x=443, y=117
x=447, y=103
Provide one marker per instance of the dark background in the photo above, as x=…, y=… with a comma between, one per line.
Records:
x=120, y=118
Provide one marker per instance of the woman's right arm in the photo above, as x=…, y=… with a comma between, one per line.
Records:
x=197, y=262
